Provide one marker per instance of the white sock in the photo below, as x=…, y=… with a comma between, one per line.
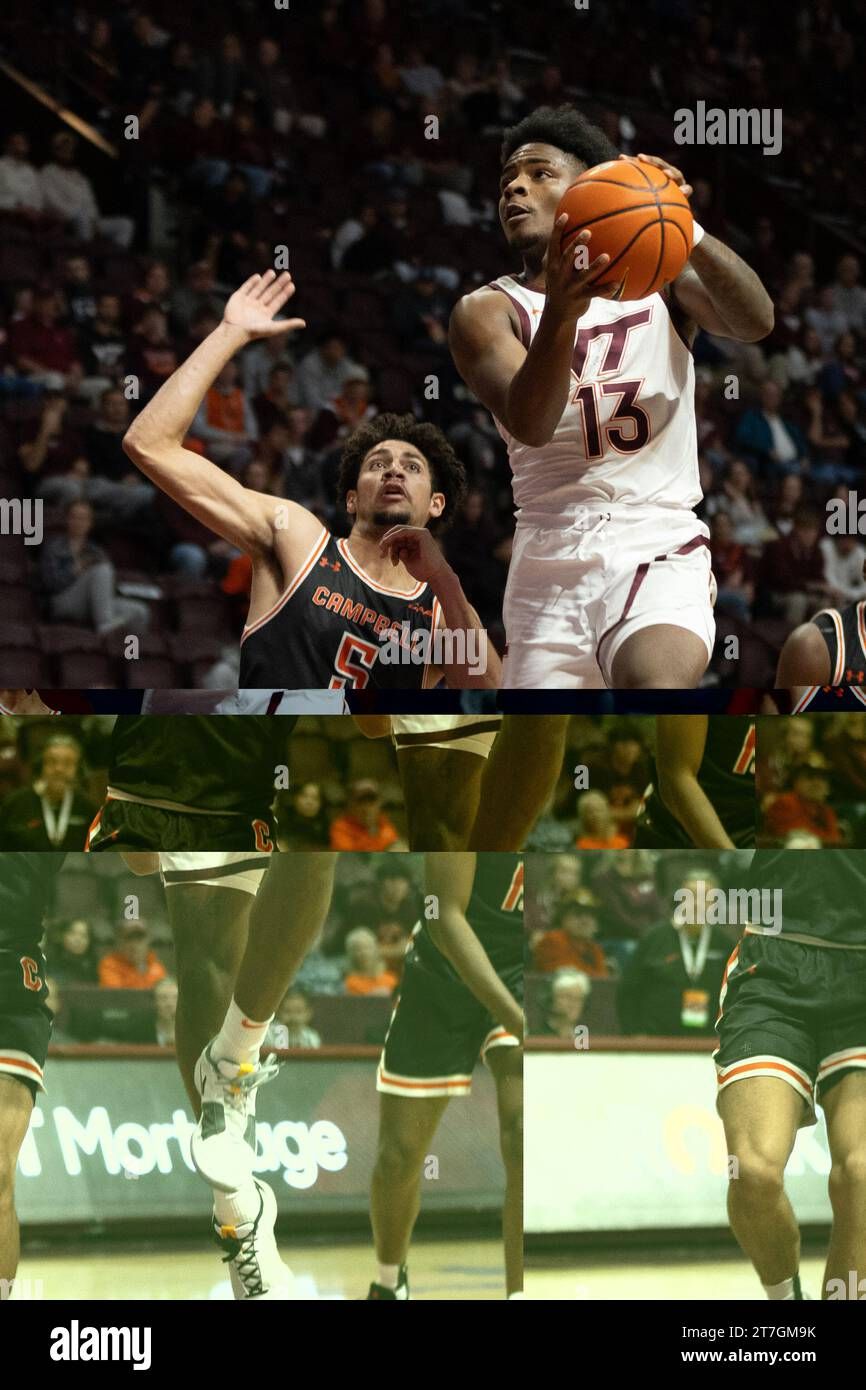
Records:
x=240, y=1038
x=388, y=1276
x=235, y=1208
x=782, y=1291
x=519, y=1294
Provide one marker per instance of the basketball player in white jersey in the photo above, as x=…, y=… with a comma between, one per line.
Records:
x=610, y=580
x=472, y=781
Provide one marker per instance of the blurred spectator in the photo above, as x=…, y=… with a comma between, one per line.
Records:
x=776, y=443
x=79, y=579
x=827, y=320
x=291, y=1027
x=42, y=349
x=132, y=964
x=152, y=354
x=849, y=296
x=569, y=991
x=844, y=558
x=569, y=943
x=792, y=568
x=104, y=344
x=225, y=421
x=71, y=952
x=20, y=187
x=804, y=807
x=52, y=814
x=78, y=290
x=420, y=315
x=732, y=567
x=165, y=1006
x=343, y=414
x=60, y=1035
x=671, y=983
x=195, y=296
x=738, y=500
x=274, y=405
x=366, y=972
x=304, y=822
x=68, y=192
x=597, y=828
x=363, y=826
x=322, y=373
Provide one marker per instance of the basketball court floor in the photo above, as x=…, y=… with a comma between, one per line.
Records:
x=440, y=1269
x=629, y=1275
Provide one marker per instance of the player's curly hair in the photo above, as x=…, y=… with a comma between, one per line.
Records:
x=446, y=470
x=566, y=129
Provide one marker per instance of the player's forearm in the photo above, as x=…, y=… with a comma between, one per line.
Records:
x=687, y=801
x=481, y=669
x=167, y=418
x=539, y=390
x=454, y=937
x=735, y=290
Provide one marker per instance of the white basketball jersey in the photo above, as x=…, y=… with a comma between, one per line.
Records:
x=627, y=433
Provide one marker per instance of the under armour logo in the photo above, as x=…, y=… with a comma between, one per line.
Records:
x=330, y=564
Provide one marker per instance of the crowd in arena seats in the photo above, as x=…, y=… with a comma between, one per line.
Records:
x=605, y=944
x=110, y=977
x=311, y=130
x=811, y=781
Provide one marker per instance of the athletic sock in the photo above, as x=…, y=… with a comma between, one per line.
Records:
x=240, y=1038
x=235, y=1208
x=518, y=1294
x=789, y=1288
x=388, y=1276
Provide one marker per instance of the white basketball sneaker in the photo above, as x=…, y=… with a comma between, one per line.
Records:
x=250, y=1251
x=224, y=1142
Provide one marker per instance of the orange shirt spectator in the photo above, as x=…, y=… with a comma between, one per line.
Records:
x=569, y=945
x=804, y=808
x=132, y=965
x=597, y=827
x=367, y=972
x=614, y=841
x=363, y=825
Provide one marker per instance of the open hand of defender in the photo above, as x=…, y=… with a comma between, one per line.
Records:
x=253, y=306
x=569, y=285
x=414, y=547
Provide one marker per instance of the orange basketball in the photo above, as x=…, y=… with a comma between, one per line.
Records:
x=638, y=215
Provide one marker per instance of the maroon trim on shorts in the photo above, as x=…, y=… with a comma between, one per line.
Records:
x=525, y=327
x=640, y=575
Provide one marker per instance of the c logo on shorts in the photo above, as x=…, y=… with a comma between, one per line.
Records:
x=262, y=832
x=30, y=971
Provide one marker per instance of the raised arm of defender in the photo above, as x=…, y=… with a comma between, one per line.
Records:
x=154, y=441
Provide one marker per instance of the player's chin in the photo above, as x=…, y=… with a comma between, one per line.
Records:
x=393, y=516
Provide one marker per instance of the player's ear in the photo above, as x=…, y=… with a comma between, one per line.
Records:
x=351, y=502
x=437, y=504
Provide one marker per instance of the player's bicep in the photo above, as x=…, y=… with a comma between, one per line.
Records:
x=487, y=353
x=242, y=517
x=805, y=659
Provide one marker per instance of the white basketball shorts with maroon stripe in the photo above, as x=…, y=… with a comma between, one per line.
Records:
x=579, y=586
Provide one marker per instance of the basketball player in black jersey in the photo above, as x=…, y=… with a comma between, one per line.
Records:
x=823, y=662
x=25, y=1024
x=792, y=1034
x=321, y=609
x=703, y=787
x=460, y=999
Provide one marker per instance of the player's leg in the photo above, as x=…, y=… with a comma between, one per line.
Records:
x=441, y=790
x=16, y=1106
x=660, y=656
x=521, y=773
x=209, y=924
x=761, y=1116
x=407, y=1125
x=845, y=1108
x=506, y=1065
x=288, y=914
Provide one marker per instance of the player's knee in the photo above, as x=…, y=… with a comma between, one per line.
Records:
x=756, y=1177
x=848, y=1178
x=201, y=980
x=399, y=1157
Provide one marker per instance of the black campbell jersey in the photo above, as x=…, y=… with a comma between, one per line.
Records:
x=495, y=913
x=823, y=892
x=336, y=628
x=26, y=889
x=844, y=632
x=205, y=763
x=727, y=777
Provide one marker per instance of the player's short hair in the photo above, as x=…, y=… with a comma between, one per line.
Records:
x=563, y=127
x=447, y=473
